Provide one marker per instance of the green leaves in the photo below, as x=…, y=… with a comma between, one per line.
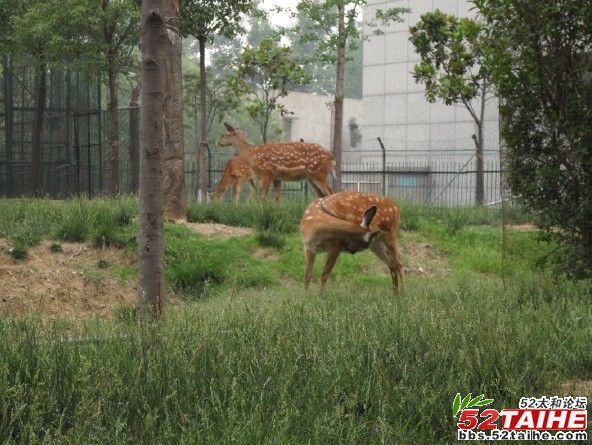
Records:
x=461, y=403
x=263, y=76
x=452, y=59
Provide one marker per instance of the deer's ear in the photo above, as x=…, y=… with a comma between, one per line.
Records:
x=369, y=216
x=229, y=127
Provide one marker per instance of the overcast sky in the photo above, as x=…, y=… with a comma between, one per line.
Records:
x=281, y=19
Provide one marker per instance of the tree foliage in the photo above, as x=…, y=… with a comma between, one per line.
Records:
x=452, y=68
x=452, y=59
x=262, y=78
x=209, y=18
x=541, y=64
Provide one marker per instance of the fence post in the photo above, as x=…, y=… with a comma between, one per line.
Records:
x=209, y=154
x=8, y=121
x=383, y=165
x=100, y=135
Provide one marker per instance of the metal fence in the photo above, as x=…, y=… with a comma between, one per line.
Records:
x=432, y=177
x=71, y=139
x=74, y=162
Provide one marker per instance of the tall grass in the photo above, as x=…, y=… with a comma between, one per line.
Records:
x=30, y=220
x=277, y=367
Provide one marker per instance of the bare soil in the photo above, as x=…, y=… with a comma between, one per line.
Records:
x=423, y=259
x=69, y=284
x=528, y=227
x=217, y=230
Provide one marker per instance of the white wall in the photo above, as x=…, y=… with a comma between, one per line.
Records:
x=311, y=120
x=394, y=106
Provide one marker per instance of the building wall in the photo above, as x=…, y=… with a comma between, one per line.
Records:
x=394, y=106
x=312, y=119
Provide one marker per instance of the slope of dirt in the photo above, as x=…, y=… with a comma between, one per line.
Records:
x=217, y=230
x=420, y=259
x=68, y=284
x=423, y=259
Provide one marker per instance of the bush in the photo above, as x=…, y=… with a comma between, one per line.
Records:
x=55, y=247
x=19, y=251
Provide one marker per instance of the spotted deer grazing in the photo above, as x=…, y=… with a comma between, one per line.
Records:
x=351, y=221
x=236, y=172
x=283, y=161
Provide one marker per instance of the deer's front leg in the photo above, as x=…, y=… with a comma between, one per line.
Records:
x=265, y=183
x=332, y=254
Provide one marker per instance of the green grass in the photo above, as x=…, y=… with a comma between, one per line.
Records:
x=251, y=359
x=274, y=366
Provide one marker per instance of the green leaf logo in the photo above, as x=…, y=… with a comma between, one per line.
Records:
x=461, y=403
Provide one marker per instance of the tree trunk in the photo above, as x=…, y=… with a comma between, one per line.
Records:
x=37, y=130
x=202, y=160
x=479, y=186
x=113, y=128
x=339, y=92
x=175, y=203
x=134, y=139
x=150, y=236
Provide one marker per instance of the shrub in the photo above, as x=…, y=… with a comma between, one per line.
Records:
x=55, y=247
x=19, y=251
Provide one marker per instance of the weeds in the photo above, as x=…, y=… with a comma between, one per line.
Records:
x=55, y=247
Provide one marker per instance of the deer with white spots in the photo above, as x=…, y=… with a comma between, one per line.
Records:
x=283, y=161
x=351, y=221
x=236, y=172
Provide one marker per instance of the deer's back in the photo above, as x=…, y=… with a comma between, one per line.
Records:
x=350, y=205
x=292, y=157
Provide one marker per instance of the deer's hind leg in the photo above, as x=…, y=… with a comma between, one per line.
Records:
x=277, y=189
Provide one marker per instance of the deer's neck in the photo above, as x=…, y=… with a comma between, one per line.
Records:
x=245, y=150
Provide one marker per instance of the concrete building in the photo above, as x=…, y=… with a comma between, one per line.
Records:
x=420, y=134
x=313, y=116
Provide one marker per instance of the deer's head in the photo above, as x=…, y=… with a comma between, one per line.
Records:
x=232, y=136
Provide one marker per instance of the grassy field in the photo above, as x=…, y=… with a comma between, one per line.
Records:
x=250, y=359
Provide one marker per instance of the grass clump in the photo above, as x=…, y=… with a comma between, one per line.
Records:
x=55, y=247
x=19, y=252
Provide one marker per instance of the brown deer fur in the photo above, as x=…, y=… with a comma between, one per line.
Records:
x=351, y=221
x=283, y=161
x=236, y=172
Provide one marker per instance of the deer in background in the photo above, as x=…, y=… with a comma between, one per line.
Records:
x=351, y=221
x=236, y=172
x=283, y=161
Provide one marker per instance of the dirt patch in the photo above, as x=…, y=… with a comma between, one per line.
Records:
x=423, y=259
x=217, y=230
x=68, y=284
x=265, y=254
x=521, y=227
x=576, y=388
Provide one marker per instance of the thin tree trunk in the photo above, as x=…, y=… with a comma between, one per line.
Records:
x=134, y=139
x=37, y=130
x=202, y=150
x=175, y=203
x=150, y=236
x=479, y=186
x=339, y=93
x=113, y=128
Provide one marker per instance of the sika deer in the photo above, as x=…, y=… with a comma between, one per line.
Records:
x=283, y=161
x=236, y=172
x=332, y=225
